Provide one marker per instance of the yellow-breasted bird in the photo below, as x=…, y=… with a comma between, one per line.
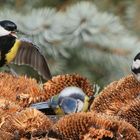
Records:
x=20, y=51
x=69, y=100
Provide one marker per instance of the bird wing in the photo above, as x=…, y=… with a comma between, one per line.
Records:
x=29, y=54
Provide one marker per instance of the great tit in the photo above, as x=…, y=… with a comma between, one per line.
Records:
x=20, y=51
x=136, y=67
x=69, y=100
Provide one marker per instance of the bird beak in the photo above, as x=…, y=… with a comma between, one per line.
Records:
x=13, y=33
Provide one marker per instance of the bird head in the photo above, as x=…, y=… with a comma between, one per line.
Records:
x=136, y=67
x=70, y=100
x=8, y=27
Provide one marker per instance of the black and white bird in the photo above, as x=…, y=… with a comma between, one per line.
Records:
x=136, y=67
x=20, y=51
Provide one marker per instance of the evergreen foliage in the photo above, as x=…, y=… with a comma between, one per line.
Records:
x=80, y=38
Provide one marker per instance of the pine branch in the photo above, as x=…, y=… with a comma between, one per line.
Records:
x=115, y=51
x=79, y=39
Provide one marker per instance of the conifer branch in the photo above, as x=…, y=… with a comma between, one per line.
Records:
x=115, y=51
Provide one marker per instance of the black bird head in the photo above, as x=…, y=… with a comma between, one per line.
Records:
x=137, y=57
x=136, y=66
x=7, y=27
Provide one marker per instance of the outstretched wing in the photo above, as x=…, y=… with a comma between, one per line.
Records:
x=29, y=54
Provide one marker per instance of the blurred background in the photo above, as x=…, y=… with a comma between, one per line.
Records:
x=97, y=39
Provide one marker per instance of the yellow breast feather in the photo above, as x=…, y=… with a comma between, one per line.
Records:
x=86, y=104
x=12, y=53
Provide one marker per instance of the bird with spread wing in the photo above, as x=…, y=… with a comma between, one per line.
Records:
x=20, y=51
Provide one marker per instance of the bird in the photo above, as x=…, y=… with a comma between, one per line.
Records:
x=135, y=68
x=70, y=100
x=20, y=51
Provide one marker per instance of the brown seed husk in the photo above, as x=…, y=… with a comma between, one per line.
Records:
x=6, y=136
x=27, y=123
x=120, y=98
x=76, y=125
x=21, y=90
x=7, y=106
x=58, y=83
x=116, y=95
x=45, y=138
x=97, y=134
x=7, y=109
x=131, y=113
x=102, y=102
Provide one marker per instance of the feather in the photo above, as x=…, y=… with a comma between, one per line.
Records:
x=29, y=54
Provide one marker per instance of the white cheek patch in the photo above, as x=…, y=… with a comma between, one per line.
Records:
x=136, y=64
x=3, y=32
